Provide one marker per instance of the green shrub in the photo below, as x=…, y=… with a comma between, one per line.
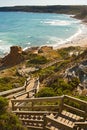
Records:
x=46, y=92
x=43, y=74
x=74, y=82
x=38, y=60
x=7, y=83
x=3, y=105
x=65, y=86
x=8, y=121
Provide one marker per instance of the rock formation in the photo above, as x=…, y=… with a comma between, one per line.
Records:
x=14, y=57
x=45, y=49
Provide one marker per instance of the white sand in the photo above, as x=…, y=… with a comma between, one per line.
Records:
x=78, y=40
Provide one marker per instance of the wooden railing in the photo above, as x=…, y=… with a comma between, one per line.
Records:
x=80, y=110
x=29, y=94
x=70, y=115
x=16, y=90
x=35, y=112
x=46, y=103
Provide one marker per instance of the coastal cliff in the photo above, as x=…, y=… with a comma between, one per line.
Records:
x=14, y=57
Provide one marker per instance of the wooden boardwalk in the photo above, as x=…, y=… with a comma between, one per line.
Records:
x=30, y=88
x=48, y=113
x=50, y=64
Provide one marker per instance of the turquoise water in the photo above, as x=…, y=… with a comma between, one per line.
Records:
x=35, y=29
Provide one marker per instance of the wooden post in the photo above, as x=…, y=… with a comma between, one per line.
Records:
x=12, y=106
x=45, y=122
x=85, y=117
x=25, y=85
x=61, y=104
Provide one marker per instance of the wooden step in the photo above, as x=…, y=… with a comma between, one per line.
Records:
x=34, y=127
x=58, y=123
x=32, y=121
x=69, y=115
x=52, y=128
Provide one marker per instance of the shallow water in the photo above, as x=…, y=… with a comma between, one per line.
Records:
x=35, y=29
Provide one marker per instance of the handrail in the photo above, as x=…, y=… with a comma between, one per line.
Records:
x=8, y=92
x=37, y=99
x=75, y=99
x=34, y=103
x=23, y=93
x=59, y=99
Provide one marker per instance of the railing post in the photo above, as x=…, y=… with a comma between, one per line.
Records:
x=37, y=84
x=12, y=106
x=85, y=117
x=61, y=104
x=45, y=122
x=25, y=85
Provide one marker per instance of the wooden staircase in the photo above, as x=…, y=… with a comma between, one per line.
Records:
x=52, y=113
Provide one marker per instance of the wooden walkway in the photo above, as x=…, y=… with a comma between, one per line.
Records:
x=48, y=113
x=52, y=113
x=50, y=64
x=30, y=88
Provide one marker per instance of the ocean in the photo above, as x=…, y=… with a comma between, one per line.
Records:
x=36, y=29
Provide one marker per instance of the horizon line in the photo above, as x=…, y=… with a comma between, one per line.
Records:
x=40, y=5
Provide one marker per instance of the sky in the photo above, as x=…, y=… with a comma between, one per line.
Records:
x=42, y=2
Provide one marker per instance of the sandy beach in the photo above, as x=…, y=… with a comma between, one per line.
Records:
x=79, y=40
x=82, y=42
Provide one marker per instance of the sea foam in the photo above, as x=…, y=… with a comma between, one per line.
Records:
x=57, y=23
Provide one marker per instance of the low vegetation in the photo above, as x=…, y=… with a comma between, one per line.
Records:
x=8, y=121
x=7, y=83
x=46, y=92
x=51, y=78
x=37, y=59
x=59, y=87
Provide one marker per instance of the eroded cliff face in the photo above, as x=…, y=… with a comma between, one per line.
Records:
x=14, y=57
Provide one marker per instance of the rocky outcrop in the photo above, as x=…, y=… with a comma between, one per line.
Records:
x=14, y=57
x=48, y=52
x=33, y=50
x=45, y=49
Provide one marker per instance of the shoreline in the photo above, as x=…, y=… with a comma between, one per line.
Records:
x=78, y=39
